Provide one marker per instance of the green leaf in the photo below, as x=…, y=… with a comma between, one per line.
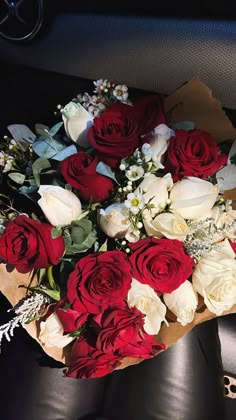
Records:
x=103, y=247
x=56, y=232
x=38, y=166
x=50, y=278
x=41, y=130
x=80, y=230
x=183, y=125
x=83, y=247
x=41, y=275
x=17, y=177
x=55, y=129
x=28, y=190
x=54, y=294
x=76, y=333
x=79, y=237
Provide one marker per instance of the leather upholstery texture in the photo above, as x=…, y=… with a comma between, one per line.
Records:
x=184, y=382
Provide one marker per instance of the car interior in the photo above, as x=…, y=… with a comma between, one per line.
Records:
x=49, y=53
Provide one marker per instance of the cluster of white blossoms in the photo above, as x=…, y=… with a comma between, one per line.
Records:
x=6, y=159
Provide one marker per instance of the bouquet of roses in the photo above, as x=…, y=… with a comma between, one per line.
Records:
x=116, y=216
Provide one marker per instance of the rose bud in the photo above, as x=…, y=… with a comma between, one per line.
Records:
x=77, y=122
x=114, y=220
x=182, y=302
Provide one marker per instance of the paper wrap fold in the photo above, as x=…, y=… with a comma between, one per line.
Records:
x=191, y=102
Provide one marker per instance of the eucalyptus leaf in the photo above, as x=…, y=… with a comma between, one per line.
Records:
x=183, y=125
x=22, y=135
x=42, y=130
x=105, y=170
x=17, y=177
x=56, y=232
x=54, y=130
x=66, y=152
x=85, y=224
x=37, y=167
x=47, y=147
x=74, y=248
x=28, y=190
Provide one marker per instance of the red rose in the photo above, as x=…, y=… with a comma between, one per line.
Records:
x=88, y=362
x=116, y=133
x=121, y=332
x=71, y=320
x=160, y=263
x=193, y=153
x=28, y=244
x=79, y=170
x=99, y=281
x=119, y=326
x=144, y=346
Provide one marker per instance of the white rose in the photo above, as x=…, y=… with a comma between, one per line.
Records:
x=193, y=197
x=51, y=333
x=155, y=190
x=160, y=140
x=225, y=221
x=170, y=225
x=144, y=298
x=133, y=235
x=60, y=206
x=214, y=278
x=77, y=121
x=182, y=302
x=114, y=220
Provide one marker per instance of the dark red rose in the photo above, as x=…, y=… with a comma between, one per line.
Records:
x=118, y=327
x=71, y=320
x=121, y=332
x=79, y=170
x=117, y=132
x=28, y=244
x=144, y=346
x=88, y=362
x=160, y=263
x=99, y=281
x=193, y=153
x=149, y=112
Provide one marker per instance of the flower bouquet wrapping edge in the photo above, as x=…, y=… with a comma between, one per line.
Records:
x=191, y=102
